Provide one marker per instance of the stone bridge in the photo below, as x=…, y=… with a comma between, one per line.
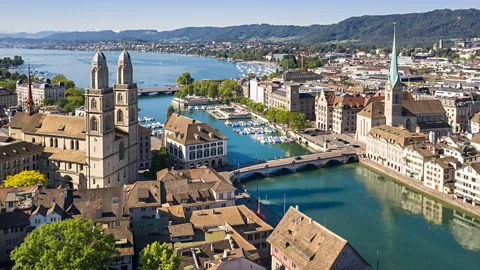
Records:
x=148, y=91
x=292, y=164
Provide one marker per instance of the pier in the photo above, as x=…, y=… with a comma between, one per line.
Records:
x=148, y=91
x=291, y=164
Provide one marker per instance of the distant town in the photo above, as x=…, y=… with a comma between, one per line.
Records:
x=84, y=157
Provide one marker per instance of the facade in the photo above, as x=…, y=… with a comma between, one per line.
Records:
x=40, y=91
x=95, y=151
x=385, y=145
x=459, y=111
x=17, y=157
x=413, y=115
x=324, y=110
x=415, y=156
x=475, y=124
x=298, y=242
x=13, y=230
x=8, y=98
x=144, y=148
x=196, y=189
x=344, y=113
x=300, y=76
x=193, y=144
x=144, y=198
x=467, y=184
x=440, y=174
x=291, y=99
x=256, y=91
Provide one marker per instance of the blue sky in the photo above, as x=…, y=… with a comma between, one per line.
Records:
x=68, y=15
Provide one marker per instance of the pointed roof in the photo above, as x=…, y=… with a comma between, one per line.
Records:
x=393, y=77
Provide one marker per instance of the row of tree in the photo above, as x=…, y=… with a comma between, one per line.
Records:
x=9, y=62
x=227, y=91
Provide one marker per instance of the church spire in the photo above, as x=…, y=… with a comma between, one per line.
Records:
x=393, y=77
x=29, y=96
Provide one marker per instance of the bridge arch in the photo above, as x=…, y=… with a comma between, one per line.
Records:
x=332, y=163
x=306, y=167
x=352, y=159
x=252, y=176
x=281, y=170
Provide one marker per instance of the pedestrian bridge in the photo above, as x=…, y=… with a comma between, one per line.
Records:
x=291, y=164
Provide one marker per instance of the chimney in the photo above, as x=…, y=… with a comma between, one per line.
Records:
x=296, y=207
x=15, y=190
x=309, y=220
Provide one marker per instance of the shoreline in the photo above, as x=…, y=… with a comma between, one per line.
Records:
x=418, y=186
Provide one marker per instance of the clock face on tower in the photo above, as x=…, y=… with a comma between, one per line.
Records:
x=388, y=87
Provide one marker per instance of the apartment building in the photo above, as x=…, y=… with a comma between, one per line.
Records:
x=415, y=156
x=440, y=174
x=18, y=156
x=467, y=183
x=40, y=91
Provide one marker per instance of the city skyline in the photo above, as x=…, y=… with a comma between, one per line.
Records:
x=91, y=16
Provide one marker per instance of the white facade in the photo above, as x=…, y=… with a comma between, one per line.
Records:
x=467, y=184
x=385, y=153
x=38, y=219
x=257, y=92
x=40, y=91
x=437, y=176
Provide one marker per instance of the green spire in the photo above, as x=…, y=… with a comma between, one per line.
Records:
x=393, y=77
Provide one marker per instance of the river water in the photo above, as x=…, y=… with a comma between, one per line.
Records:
x=372, y=212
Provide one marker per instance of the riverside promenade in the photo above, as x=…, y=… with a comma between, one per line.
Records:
x=419, y=187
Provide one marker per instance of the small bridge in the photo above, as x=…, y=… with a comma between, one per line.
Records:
x=148, y=91
x=291, y=164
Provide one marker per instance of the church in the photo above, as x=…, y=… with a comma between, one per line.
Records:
x=413, y=115
x=98, y=150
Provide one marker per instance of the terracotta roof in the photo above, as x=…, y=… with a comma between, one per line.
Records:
x=124, y=240
x=476, y=139
x=67, y=155
x=20, y=148
x=27, y=123
x=174, y=213
x=423, y=149
x=144, y=193
x=476, y=118
x=351, y=102
x=4, y=192
x=397, y=135
x=188, y=131
x=142, y=129
x=306, y=243
x=446, y=162
x=51, y=124
x=180, y=230
x=423, y=106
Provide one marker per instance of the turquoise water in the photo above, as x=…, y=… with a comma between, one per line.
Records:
x=410, y=231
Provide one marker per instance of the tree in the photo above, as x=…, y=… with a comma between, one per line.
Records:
x=212, y=90
x=297, y=120
x=158, y=257
x=271, y=75
x=160, y=160
x=185, y=79
x=229, y=90
x=170, y=111
x=47, y=102
x=68, y=244
x=61, y=78
x=9, y=84
x=25, y=178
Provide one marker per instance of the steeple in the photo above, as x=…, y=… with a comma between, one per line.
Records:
x=124, y=70
x=99, y=71
x=393, y=77
x=29, y=103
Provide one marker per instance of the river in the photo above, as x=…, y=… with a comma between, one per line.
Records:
x=373, y=213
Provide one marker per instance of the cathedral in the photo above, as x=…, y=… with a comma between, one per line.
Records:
x=98, y=150
x=413, y=115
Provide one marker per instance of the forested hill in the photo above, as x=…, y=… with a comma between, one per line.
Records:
x=413, y=29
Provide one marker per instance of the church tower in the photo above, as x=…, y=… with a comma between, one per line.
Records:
x=126, y=109
x=100, y=131
x=393, y=91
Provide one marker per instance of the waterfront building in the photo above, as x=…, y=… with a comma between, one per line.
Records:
x=440, y=174
x=425, y=115
x=95, y=151
x=298, y=242
x=192, y=143
x=345, y=109
x=415, y=156
x=290, y=98
x=324, y=109
x=196, y=189
x=40, y=91
x=240, y=221
x=18, y=156
x=467, y=183
x=385, y=145
x=475, y=123
x=257, y=91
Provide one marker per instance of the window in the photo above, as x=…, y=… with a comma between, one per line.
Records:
x=93, y=104
x=121, y=151
x=345, y=253
x=93, y=124
x=120, y=98
x=119, y=116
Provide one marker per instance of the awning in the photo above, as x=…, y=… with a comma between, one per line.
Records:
x=460, y=195
x=476, y=201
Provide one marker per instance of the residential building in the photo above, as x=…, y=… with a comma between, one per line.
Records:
x=385, y=145
x=8, y=98
x=415, y=156
x=459, y=110
x=324, y=110
x=193, y=144
x=125, y=245
x=298, y=242
x=240, y=220
x=144, y=146
x=95, y=151
x=40, y=91
x=144, y=197
x=345, y=109
x=13, y=230
x=300, y=76
x=196, y=189
x=475, y=124
x=467, y=183
x=18, y=156
x=440, y=174
x=257, y=91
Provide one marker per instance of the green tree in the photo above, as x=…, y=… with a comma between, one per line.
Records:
x=5, y=73
x=271, y=114
x=160, y=160
x=212, y=90
x=47, y=102
x=61, y=78
x=229, y=90
x=25, y=178
x=9, y=84
x=297, y=120
x=271, y=76
x=156, y=256
x=170, y=111
x=185, y=79
x=62, y=102
x=68, y=244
